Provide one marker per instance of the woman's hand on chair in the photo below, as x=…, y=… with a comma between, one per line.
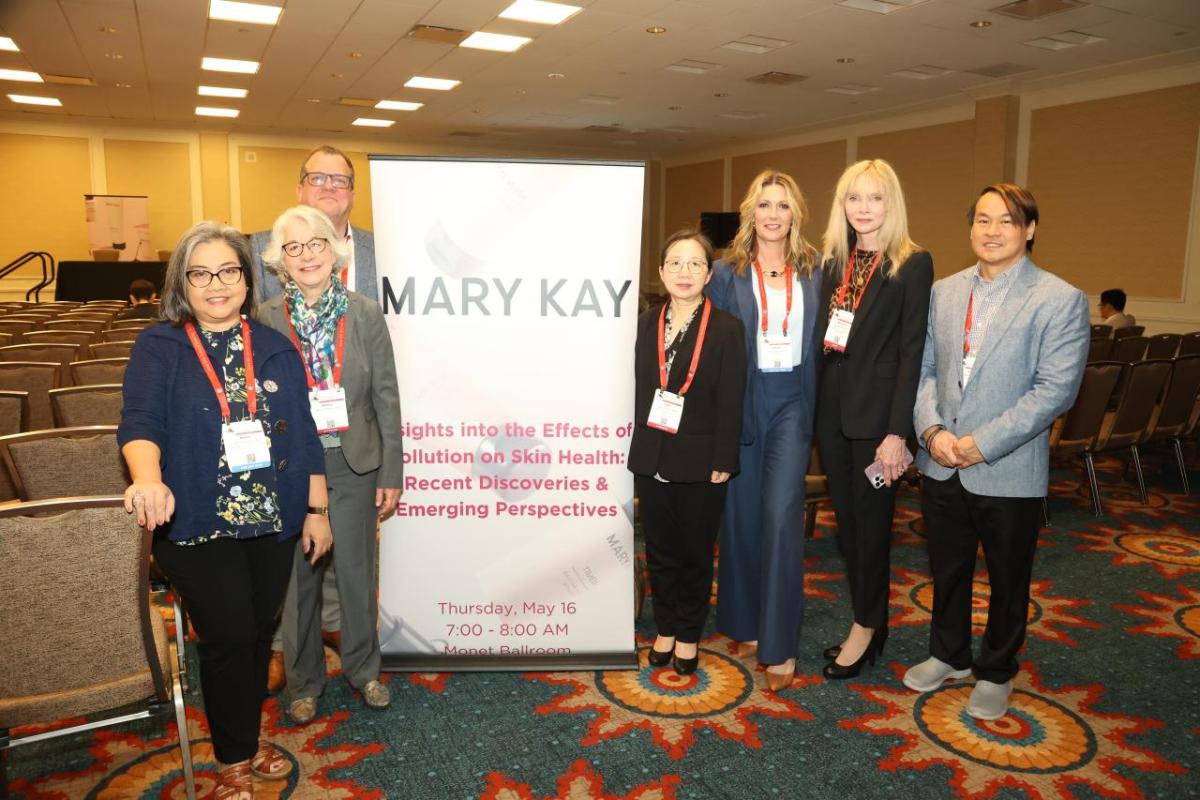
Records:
x=151, y=501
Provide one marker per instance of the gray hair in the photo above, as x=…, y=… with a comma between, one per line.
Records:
x=174, y=307
x=321, y=227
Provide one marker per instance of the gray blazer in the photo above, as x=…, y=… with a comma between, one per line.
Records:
x=372, y=394
x=364, y=265
x=1027, y=372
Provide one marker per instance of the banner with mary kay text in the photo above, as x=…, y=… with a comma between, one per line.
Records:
x=510, y=290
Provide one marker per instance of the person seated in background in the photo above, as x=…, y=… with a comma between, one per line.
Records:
x=143, y=301
x=1112, y=309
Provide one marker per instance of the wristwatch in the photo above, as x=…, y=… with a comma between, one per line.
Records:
x=322, y=510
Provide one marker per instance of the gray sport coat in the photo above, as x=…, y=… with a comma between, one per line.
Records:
x=1026, y=373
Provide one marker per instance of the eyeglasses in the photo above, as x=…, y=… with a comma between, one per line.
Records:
x=314, y=246
x=319, y=179
x=201, y=278
x=694, y=265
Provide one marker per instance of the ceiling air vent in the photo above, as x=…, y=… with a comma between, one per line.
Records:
x=357, y=102
x=1037, y=9
x=1001, y=70
x=777, y=78
x=67, y=80
x=437, y=34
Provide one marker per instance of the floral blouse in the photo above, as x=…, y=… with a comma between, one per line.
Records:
x=246, y=501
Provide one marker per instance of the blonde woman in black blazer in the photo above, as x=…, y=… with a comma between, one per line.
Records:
x=682, y=463
x=871, y=321
x=363, y=459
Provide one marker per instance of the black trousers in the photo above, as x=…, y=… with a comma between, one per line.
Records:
x=233, y=590
x=680, y=522
x=957, y=522
x=864, y=514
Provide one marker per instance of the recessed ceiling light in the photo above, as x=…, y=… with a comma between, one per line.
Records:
x=210, y=111
x=114, y=56
x=845, y=60
x=555, y=76
x=720, y=94
x=20, y=75
x=354, y=55
x=692, y=67
x=879, y=6
x=540, y=12
x=9, y=45
x=34, y=100
x=229, y=65
x=599, y=99
x=981, y=23
x=367, y=122
x=656, y=29
x=501, y=43
x=255, y=13
x=123, y=85
x=921, y=72
x=437, y=84
x=336, y=75
x=107, y=29
x=674, y=108
x=220, y=91
x=755, y=44
x=852, y=88
x=397, y=105
x=312, y=100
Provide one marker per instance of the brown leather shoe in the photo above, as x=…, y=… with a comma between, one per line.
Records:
x=332, y=640
x=276, y=676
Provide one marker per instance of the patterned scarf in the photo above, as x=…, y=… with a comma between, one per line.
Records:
x=316, y=326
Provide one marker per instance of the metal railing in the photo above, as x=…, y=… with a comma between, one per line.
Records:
x=48, y=271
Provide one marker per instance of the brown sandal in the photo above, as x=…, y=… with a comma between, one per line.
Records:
x=269, y=763
x=233, y=782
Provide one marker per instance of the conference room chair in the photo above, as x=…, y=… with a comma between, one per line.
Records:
x=16, y=328
x=1189, y=344
x=63, y=336
x=37, y=319
x=1080, y=429
x=118, y=349
x=81, y=461
x=58, y=352
x=65, y=305
x=36, y=379
x=80, y=322
x=1099, y=349
x=1102, y=331
x=96, y=404
x=1163, y=345
x=98, y=370
x=17, y=304
x=120, y=334
x=6, y=339
x=14, y=411
x=1125, y=427
x=84, y=648
x=1173, y=417
x=106, y=254
x=1130, y=349
x=1131, y=330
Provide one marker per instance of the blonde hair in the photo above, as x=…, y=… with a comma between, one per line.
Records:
x=321, y=227
x=893, y=234
x=799, y=252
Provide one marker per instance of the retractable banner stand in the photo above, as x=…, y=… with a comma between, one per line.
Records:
x=510, y=290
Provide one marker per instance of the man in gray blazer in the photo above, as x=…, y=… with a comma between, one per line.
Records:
x=1005, y=349
x=327, y=183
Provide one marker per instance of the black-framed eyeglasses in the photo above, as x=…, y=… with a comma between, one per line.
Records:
x=201, y=278
x=693, y=265
x=314, y=246
x=319, y=179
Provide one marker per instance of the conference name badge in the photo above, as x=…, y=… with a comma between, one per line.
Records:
x=666, y=411
x=775, y=353
x=328, y=407
x=838, y=332
x=246, y=445
x=968, y=365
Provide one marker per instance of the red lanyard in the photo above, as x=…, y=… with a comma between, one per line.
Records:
x=967, y=326
x=218, y=388
x=662, y=348
x=841, y=298
x=339, y=348
x=762, y=293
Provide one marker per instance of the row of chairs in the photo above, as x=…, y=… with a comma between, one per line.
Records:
x=1128, y=349
x=1124, y=406
x=37, y=378
x=70, y=406
x=1103, y=331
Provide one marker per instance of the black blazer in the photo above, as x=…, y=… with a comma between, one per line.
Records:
x=881, y=366
x=708, y=434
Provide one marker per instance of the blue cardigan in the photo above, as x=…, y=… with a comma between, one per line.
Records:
x=169, y=401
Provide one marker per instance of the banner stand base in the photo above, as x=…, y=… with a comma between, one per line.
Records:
x=574, y=662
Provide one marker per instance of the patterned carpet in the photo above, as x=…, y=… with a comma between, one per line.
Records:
x=1107, y=703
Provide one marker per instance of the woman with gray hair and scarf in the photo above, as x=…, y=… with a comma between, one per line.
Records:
x=343, y=341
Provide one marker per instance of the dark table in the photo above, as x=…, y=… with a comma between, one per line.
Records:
x=104, y=280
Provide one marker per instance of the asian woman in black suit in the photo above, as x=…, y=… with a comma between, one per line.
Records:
x=690, y=374
x=872, y=322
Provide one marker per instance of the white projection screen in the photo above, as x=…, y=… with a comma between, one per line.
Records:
x=510, y=289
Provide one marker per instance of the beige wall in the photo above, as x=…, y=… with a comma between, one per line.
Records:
x=691, y=189
x=214, y=175
x=267, y=178
x=1113, y=179
x=815, y=167
x=162, y=172
x=935, y=166
x=50, y=214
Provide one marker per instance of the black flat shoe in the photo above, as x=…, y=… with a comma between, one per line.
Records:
x=686, y=666
x=657, y=658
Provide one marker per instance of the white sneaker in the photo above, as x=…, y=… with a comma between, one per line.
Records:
x=932, y=673
x=989, y=700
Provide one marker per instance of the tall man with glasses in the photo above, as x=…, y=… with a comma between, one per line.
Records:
x=327, y=184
